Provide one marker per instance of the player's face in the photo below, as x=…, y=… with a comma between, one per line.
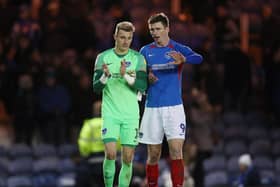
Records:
x=159, y=33
x=123, y=41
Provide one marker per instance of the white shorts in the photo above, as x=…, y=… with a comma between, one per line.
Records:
x=158, y=121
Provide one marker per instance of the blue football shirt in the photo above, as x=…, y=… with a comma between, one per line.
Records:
x=166, y=91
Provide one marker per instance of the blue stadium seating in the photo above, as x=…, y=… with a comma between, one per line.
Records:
x=44, y=150
x=20, y=150
x=215, y=163
x=20, y=166
x=216, y=179
x=19, y=181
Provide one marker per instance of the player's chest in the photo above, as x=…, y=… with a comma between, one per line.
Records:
x=114, y=64
x=158, y=56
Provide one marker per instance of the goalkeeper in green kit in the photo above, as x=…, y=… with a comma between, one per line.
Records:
x=120, y=74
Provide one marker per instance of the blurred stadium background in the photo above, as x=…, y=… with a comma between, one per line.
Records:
x=47, y=53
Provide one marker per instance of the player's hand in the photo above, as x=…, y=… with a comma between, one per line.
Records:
x=152, y=78
x=106, y=70
x=178, y=57
x=122, y=68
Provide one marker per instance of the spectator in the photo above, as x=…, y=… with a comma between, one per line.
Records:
x=237, y=88
x=82, y=102
x=54, y=104
x=6, y=129
x=54, y=26
x=25, y=26
x=89, y=172
x=202, y=119
x=249, y=176
x=24, y=110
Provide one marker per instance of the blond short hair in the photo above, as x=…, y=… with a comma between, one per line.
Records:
x=125, y=26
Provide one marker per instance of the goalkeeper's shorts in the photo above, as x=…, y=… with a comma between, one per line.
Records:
x=126, y=131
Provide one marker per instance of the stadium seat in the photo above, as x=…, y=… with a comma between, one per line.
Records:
x=45, y=165
x=66, y=165
x=48, y=179
x=218, y=149
x=233, y=169
x=20, y=150
x=3, y=181
x=3, y=152
x=20, y=166
x=260, y=147
x=215, y=163
x=232, y=165
x=4, y=164
x=274, y=134
x=235, y=147
x=216, y=179
x=233, y=118
x=255, y=119
x=277, y=165
x=66, y=180
x=263, y=163
x=237, y=132
x=276, y=149
x=219, y=127
x=44, y=150
x=256, y=133
x=268, y=177
x=278, y=180
x=19, y=181
x=68, y=150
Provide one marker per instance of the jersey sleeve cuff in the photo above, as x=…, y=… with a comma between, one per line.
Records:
x=129, y=79
x=103, y=79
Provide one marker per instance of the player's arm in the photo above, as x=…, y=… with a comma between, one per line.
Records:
x=101, y=74
x=140, y=81
x=189, y=55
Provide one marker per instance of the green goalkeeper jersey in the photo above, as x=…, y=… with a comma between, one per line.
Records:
x=119, y=99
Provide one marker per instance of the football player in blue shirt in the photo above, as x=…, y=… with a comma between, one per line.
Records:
x=164, y=112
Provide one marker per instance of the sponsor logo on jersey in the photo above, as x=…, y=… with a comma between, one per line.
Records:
x=116, y=75
x=162, y=66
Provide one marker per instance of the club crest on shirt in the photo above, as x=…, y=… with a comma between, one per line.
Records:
x=127, y=63
x=167, y=56
x=104, y=131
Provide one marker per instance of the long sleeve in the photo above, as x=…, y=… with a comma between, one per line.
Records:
x=191, y=56
x=141, y=81
x=98, y=72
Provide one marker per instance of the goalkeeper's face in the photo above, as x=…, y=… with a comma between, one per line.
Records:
x=123, y=40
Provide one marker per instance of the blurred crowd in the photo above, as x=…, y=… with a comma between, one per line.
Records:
x=48, y=48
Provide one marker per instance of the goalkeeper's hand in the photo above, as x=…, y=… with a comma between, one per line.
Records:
x=122, y=68
x=106, y=70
